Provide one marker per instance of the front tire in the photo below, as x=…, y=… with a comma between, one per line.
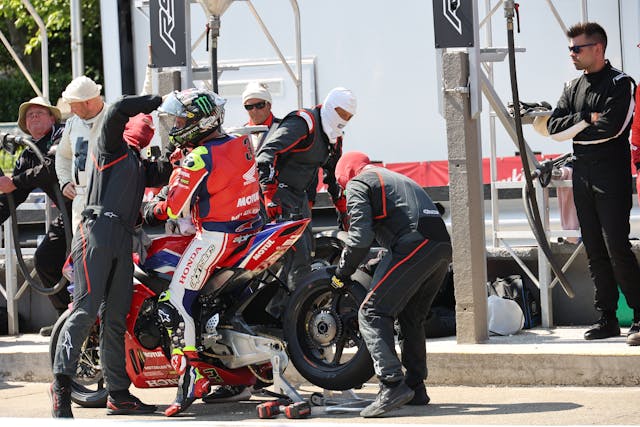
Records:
x=321, y=322
x=87, y=386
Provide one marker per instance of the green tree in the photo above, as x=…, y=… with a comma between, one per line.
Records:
x=23, y=34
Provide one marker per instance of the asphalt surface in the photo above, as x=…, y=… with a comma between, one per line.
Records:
x=28, y=404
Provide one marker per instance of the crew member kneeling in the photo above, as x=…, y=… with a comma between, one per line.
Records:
x=394, y=210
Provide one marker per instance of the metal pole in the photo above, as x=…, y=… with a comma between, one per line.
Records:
x=11, y=280
x=584, y=11
x=296, y=14
x=44, y=47
x=77, y=54
x=495, y=209
x=214, y=33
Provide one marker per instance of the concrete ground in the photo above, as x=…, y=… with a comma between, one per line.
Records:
x=537, y=377
x=27, y=403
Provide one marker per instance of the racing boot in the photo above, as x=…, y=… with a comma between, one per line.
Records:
x=60, y=395
x=192, y=384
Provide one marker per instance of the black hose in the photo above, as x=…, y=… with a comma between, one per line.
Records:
x=533, y=212
x=14, y=222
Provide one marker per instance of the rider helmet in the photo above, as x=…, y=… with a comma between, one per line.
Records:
x=198, y=113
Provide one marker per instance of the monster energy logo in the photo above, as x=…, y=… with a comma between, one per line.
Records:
x=204, y=104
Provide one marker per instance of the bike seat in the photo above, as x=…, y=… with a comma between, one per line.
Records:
x=156, y=283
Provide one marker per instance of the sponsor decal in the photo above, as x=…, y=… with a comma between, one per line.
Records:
x=167, y=23
x=66, y=344
x=250, y=176
x=213, y=375
x=202, y=265
x=248, y=200
x=263, y=249
x=187, y=268
x=450, y=10
x=162, y=382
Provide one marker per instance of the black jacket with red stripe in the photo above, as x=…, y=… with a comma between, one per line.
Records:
x=118, y=174
x=387, y=207
x=294, y=153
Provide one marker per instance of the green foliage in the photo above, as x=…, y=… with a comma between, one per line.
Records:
x=24, y=36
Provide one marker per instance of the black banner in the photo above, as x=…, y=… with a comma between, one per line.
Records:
x=453, y=23
x=168, y=37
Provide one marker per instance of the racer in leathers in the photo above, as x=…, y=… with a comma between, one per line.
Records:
x=397, y=213
x=289, y=160
x=102, y=252
x=81, y=130
x=217, y=183
x=41, y=121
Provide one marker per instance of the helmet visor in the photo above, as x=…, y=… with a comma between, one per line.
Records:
x=173, y=107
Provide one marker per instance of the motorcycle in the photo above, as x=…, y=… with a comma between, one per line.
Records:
x=239, y=342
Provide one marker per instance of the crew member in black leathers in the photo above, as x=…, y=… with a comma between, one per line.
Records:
x=595, y=110
x=42, y=122
x=102, y=252
x=289, y=160
x=396, y=212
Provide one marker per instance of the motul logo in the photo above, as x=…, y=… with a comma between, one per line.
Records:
x=263, y=249
x=248, y=200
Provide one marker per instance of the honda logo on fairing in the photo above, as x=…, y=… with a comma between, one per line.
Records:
x=167, y=23
x=450, y=9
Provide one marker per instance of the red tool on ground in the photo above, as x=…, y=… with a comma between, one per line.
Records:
x=292, y=411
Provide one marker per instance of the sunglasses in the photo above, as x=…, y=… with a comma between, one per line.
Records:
x=577, y=48
x=258, y=105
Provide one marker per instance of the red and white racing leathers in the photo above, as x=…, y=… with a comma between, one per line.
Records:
x=217, y=183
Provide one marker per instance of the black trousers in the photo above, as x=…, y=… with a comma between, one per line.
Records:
x=103, y=284
x=602, y=193
x=48, y=260
x=404, y=285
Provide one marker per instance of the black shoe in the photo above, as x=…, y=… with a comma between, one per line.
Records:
x=60, y=397
x=229, y=393
x=633, y=336
x=606, y=327
x=388, y=398
x=130, y=405
x=420, y=396
x=46, y=331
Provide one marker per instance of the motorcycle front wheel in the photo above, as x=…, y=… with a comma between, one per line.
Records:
x=323, y=339
x=87, y=386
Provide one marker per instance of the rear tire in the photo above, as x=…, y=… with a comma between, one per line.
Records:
x=320, y=323
x=87, y=386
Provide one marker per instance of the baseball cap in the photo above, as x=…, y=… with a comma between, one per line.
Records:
x=81, y=89
x=256, y=90
x=40, y=101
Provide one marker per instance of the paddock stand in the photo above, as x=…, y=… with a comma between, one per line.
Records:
x=339, y=402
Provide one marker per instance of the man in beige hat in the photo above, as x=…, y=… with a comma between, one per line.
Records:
x=40, y=120
x=82, y=129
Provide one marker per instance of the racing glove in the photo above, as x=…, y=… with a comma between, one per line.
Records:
x=272, y=207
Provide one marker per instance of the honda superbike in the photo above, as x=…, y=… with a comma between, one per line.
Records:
x=239, y=342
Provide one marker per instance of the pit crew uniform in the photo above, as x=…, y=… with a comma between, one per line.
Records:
x=393, y=210
x=602, y=178
x=102, y=245
x=288, y=165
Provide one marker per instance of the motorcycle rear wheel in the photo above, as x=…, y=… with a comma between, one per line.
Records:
x=87, y=386
x=321, y=322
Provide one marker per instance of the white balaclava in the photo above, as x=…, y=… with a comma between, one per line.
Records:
x=332, y=123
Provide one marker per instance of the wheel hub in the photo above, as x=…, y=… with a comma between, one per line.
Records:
x=324, y=327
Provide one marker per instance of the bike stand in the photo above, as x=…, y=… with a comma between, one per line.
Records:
x=280, y=384
x=349, y=402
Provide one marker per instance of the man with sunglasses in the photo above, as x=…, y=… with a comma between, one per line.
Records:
x=290, y=158
x=256, y=100
x=595, y=111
